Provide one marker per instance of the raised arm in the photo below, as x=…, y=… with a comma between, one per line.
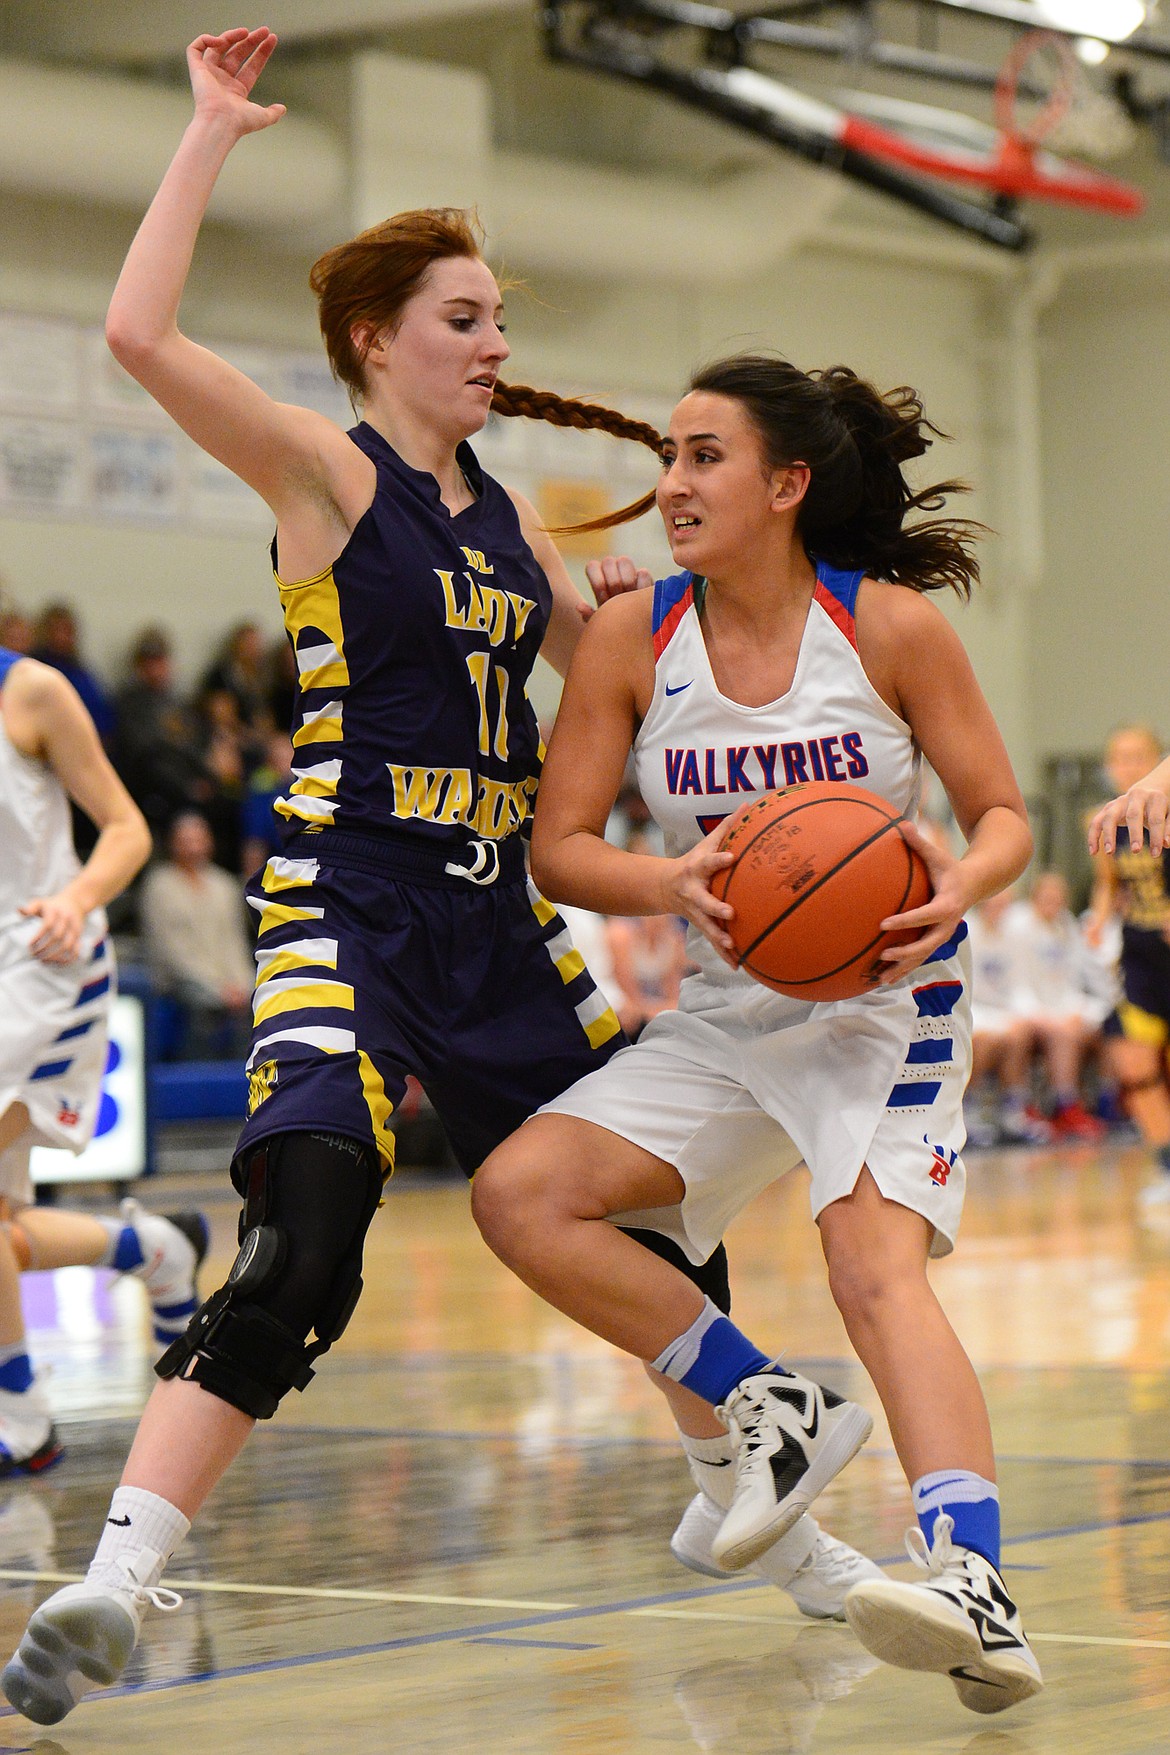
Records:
x=290, y=456
x=45, y=719
x=609, y=684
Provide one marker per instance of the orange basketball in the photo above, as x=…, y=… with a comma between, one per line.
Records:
x=817, y=869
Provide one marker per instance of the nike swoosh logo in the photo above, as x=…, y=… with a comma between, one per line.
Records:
x=679, y=689
x=962, y=1675
x=119, y=1523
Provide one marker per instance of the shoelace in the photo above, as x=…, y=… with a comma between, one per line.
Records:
x=158, y=1596
x=933, y=1560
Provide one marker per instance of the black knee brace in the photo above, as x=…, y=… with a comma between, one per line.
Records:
x=711, y=1278
x=308, y=1202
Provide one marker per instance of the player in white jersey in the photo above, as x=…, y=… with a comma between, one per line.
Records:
x=56, y=983
x=778, y=657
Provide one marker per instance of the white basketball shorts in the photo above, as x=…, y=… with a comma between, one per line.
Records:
x=738, y=1087
x=53, y=1043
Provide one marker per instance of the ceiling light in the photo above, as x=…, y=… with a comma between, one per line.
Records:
x=1091, y=50
x=1109, y=20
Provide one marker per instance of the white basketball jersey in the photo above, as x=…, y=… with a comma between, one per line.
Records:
x=700, y=755
x=35, y=829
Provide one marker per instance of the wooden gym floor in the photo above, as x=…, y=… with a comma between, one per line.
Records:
x=457, y=1540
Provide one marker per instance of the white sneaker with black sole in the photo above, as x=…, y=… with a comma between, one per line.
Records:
x=790, y=1438
x=814, y=1568
x=82, y=1637
x=958, y=1621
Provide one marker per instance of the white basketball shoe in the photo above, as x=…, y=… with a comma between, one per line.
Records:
x=82, y=1637
x=172, y=1250
x=28, y=1437
x=790, y=1438
x=959, y=1621
x=812, y=1566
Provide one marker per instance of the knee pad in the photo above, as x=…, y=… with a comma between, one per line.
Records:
x=308, y=1202
x=710, y=1276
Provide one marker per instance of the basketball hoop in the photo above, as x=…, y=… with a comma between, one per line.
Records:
x=1009, y=160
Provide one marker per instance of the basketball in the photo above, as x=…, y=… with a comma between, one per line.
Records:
x=817, y=869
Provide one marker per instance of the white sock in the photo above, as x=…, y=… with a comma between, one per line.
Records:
x=710, y=1460
x=710, y=1463
x=137, y=1519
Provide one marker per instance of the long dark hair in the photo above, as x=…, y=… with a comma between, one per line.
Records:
x=854, y=440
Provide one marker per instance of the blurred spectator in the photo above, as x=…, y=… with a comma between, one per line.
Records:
x=1063, y=1014
x=16, y=631
x=281, y=683
x=649, y=961
x=56, y=641
x=1000, y=1039
x=240, y=670
x=229, y=750
x=192, y=917
x=261, y=826
x=156, y=745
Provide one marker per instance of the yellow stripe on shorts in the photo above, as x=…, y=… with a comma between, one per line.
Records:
x=380, y=1108
x=294, y=996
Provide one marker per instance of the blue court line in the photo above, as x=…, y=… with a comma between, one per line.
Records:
x=544, y=1618
x=539, y=1644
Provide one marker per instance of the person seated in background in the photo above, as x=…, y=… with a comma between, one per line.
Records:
x=240, y=669
x=56, y=640
x=16, y=630
x=1057, y=998
x=1035, y=997
x=1001, y=1042
x=156, y=744
x=259, y=825
x=192, y=917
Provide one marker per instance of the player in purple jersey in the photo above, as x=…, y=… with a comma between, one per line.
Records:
x=800, y=620
x=397, y=930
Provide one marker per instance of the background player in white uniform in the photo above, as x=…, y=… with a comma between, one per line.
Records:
x=773, y=667
x=56, y=982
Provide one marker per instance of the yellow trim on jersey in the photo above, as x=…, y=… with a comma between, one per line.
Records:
x=321, y=727
x=319, y=781
x=329, y=995
x=380, y=1108
x=309, y=810
x=312, y=606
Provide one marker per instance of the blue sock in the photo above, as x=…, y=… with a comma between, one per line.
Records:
x=16, y=1372
x=969, y=1501
x=711, y=1357
x=125, y=1251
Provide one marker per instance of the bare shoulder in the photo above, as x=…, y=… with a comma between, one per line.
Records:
x=624, y=619
x=36, y=699
x=893, y=619
x=37, y=688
